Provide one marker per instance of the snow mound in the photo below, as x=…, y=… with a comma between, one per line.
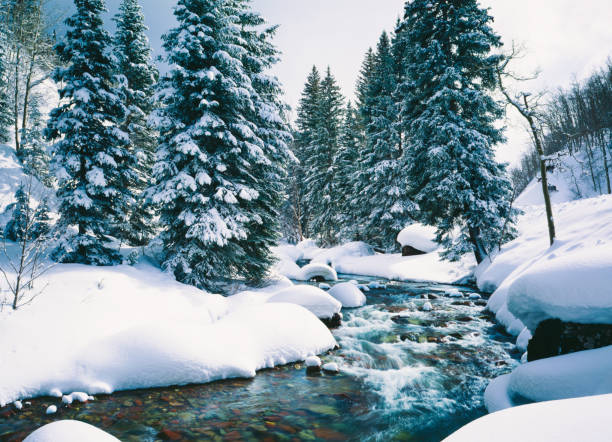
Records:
x=165, y=333
x=348, y=294
x=318, y=302
x=420, y=237
x=313, y=361
x=572, y=285
x=559, y=421
x=69, y=431
x=318, y=270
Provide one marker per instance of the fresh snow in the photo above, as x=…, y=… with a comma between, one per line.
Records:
x=313, y=361
x=348, y=294
x=318, y=302
x=69, y=431
x=135, y=327
x=581, y=419
x=51, y=409
x=420, y=237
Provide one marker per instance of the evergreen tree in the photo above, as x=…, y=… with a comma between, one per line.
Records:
x=321, y=196
x=17, y=226
x=307, y=123
x=450, y=116
x=222, y=137
x=346, y=164
x=34, y=150
x=385, y=193
x=93, y=165
x=134, y=63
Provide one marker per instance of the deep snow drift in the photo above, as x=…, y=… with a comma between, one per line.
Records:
x=98, y=330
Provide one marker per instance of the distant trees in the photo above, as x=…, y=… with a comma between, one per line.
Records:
x=577, y=121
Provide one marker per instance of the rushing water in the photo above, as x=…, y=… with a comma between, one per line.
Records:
x=406, y=374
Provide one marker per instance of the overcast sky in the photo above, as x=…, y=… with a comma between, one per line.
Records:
x=564, y=39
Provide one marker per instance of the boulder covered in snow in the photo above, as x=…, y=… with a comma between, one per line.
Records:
x=348, y=294
x=320, y=303
x=418, y=239
x=69, y=431
x=318, y=271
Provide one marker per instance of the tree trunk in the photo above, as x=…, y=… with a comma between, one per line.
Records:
x=479, y=251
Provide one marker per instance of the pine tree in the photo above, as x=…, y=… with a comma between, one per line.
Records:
x=17, y=226
x=450, y=118
x=321, y=196
x=93, y=165
x=134, y=63
x=384, y=195
x=307, y=123
x=34, y=153
x=223, y=137
x=346, y=164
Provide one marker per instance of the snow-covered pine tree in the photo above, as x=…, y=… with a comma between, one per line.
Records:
x=34, y=153
x=307, y=124
x=321, y=196
x=16, y=227
x=134, y=63
x=384, y=197
x=346, y=164
x=450, y=118
x=221, y=139
x=93, y=165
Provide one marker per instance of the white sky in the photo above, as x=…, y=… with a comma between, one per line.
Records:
x=564, y=39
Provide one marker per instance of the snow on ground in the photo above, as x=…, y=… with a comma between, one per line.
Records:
x=98, y=330
x=69, y=431
x=420, y=237
x=359, y=259
x=567, y=279
x=583, y=419
x=314, y=299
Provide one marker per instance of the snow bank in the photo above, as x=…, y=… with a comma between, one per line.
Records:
x=348, y=294
x=574, y=285
x=69, y=431
x=334, y=255
x=98, y=330
x=420, y=237
x=567, y=279
x=318, y=302
x=314, y=270
x=559, y=421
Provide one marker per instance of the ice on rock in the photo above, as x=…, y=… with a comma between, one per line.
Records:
x=377, y=285
x=348, y=294
x=318, y=302
x=454, y=293
x=475, y=296
x=69, y=431
x=51, y=409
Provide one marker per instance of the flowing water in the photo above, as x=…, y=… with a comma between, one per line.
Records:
x=406, y=374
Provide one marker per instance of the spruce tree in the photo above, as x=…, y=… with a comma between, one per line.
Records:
x=385, y=195
x=139, y=76
x=449, y=114
x=34, y=153
x=321, y=196
x=307, y=124
x=346, y=164
x=93, y=164
x=17, y=226
x=222, y=137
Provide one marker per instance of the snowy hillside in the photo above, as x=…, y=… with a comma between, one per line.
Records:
x=569, y=180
